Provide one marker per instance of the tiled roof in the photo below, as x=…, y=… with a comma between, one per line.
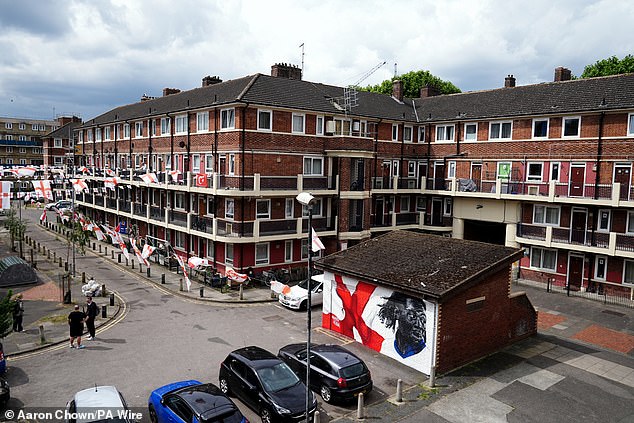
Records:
x=424, y=264
x=64, y=131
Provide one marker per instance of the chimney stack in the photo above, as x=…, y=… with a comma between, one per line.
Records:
x=562, y=74
x=284, y=70
x=509, y=81
x=429, y=91
x=397, y=90
x=170, y=91
x=211, y=80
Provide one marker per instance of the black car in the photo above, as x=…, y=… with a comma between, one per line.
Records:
x=265, y=384
x=336, y=373
x=5, y=392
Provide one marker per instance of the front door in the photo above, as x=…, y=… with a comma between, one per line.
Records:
x=379, y=217
x=623, y=176
x=476, y=174
x=436, y=212
x=578, y=226
x=575, y=272
x=439, y=176
x=577, y=179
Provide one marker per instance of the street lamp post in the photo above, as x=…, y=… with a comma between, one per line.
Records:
x=306, y=199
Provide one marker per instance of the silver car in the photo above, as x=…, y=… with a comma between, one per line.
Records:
x=98, y=404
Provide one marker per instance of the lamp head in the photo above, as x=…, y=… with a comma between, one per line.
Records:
x=304, y=198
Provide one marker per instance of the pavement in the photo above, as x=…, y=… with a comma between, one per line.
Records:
x=588, y=335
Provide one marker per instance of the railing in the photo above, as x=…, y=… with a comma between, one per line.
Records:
x=622, y=242
x=272, y=183
x=111, y=203
x=157, y=213
x=237, y=229
x=178, y=217
x=410, y=218
x=318, y=223
x=124, y=206
x=233, y=182
x=99, y=200
x=139, y=209
x=408, y=183
x=276, y=227
x=203, y=224
x=531, y=231
x=436, y=184
x=625, y=242
x=88, y=198
x=315, y=182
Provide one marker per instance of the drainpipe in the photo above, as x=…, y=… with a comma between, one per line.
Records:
x=597, y=173
x=217, y=167
x=130, y=140
x=242, y=161
x=149, y=131
x=457, y=134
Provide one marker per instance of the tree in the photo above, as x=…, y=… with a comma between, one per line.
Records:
x=412, y=83
x=609, y=66
x=6, y=314
x=16, y=228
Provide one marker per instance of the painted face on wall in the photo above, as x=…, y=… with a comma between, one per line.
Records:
x=411, y=321
x=406, y=316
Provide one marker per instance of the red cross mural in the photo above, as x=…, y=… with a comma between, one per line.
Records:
x=5, y=194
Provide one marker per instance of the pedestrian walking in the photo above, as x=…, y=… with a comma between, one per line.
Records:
x=18, y=313
x=91, y=313
x=76, y=320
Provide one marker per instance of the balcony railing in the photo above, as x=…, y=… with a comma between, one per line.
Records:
x=235, y=229
x=278, y=227
x=178, y=217
x=602, y=240
x=111, y=203
x=99, y=200
x=139, y=210
x=157, y=213
x=203, y=224
x=124, y=206
x=410, y=218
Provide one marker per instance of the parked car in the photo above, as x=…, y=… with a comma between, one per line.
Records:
x=297, y=297
x=5, y=392
x=98, y=404
x=61, y=204
x=335, y=372
x=182, y=401
x=266, y=385
x=3, y=361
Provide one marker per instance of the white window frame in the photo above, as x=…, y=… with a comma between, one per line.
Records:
x=630, y=125
x=535, y=121
x=180, y=124
x=8, y=125
x=625, y=263
x=231, y=163
x=22, y=161
x=563, y=126
x=179, y=199
x=58, y=161
x=126, y=130
x=179, y=239
x=408, y=130
x=227, y=118
x=259, y=247
x=229, y=208
x=451, y=169
x=288, y=251
x=202, y=122
x=196, y=163
x=317, y=208
x=501, y=123
x=138, y=129
x=475, y=134
x=405, y=204
x=394, y=132
x=443, y=131
x=629, y=223
x=57, y=143
x=601, y=228
x=289, y=208
x=447, y=207
x=22, y=126
x=22, y=150
x=9, y=137
x=295, y=129
x=535, y=178
x=209, y=163
x=41, y=127
x=421, y=134
x=597, y=276
x=9, y=149
x=98, y=134
x=319, y=125
x=34, y=127
x=313, y=159
x=166, y=124
x=228, y=253
x=261, y=215
x=106, y=133
x=545, y=209
x=22, y=137
x=260, y=121
x=541, y=251
x=552, y=167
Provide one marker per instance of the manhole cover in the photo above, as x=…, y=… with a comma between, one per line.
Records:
x=614, y=313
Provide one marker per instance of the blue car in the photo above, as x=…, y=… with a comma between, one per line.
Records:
x=192, y=401
x=3, y=361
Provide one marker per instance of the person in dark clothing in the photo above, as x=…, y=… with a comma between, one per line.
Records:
x=18, y=313
x=91, y=313
x=76, y=320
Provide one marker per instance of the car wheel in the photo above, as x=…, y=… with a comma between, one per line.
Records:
x=303, y=305
x=266, y=416
x=325, y=393
x=224, y=386
x=153, y=416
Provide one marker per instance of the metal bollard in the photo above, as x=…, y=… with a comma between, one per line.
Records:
x=119, y=258
x=316, y=417
x=112, y=299
x=202, y=291
x=103, y=290
x=104, y=311
x=106, y=252
x=99, y=248
x=60, y=262
x=66, y=266
x=54, y=256
x=360, y=406
x=432, y=377
x=132, y=263
x=83, y=278
x=112, y=254
x=140, y=268
x=49, y=254
x=241, y=293
x=42, y=337
x=93, y=246
x=399, y=390
x=148, y=271
x=163, y=279
x=180, y=281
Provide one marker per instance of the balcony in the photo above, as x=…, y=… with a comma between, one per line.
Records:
x=157, y=213
x=125, y=206
x=140, y=210
x=202, y=224
x=178, y=218
x=278, y=227
x=234, y=229
x=111, y=203
x=99, y=200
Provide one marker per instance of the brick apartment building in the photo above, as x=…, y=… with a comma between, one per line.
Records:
x=58, y=145
x=21, y=140
x=544, y=167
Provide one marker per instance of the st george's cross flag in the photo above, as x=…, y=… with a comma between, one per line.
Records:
x=5, y=194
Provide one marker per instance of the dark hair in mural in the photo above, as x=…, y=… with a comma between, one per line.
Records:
x=409, y=313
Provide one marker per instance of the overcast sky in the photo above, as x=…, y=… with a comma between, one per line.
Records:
x=85, y=57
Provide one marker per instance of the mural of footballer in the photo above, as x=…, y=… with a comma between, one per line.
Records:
x=406, y=317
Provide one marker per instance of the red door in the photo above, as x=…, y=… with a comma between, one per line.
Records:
x=575, y=272
x=577, y=178
x=623, y=175
x=476, y=174
x=578, y=226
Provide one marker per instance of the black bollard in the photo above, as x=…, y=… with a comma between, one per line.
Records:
x=104, y=311
x=93, y=246
x=163, y=278
x=132, y=264
x=112, y=300
x=112, y=254
x=83, y=277
x=119, y=258
x=148, y=271
x=202, y=291
x=99, y=248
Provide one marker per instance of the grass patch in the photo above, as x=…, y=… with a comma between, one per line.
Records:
x=427, y=392
x=54, y=319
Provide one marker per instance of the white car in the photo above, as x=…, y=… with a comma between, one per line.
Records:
x=297, y=297
x=99, y=404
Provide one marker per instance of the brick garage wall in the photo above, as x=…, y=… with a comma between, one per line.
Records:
x=464, y=335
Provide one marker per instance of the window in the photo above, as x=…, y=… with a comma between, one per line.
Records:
x=22, y=137
x=534, y=172
x=196, y=163
x=407, y=134
x=554, y=171
x=421, y=134
x=262, y=253
x=41, y=127
x=227, y=119
x=22, y=126
x=264, y=120
x=165, y=126
x=126, y=130
x=229, y=253
x=313, y=166
x=209, y=163
x=470, y=131
x=81, y=136
x=571, y=126
x=179, y=199
x=106, y=133
x=628, y=272
x=421, y=203
x=411, y=169
x=298, y=123
x=394, y=132
x=232, y=164
x=57, y=161
x=444, y=132
x=447, y=207
x=542, y=258
x=180, y=126
x=202, y=121
x=304, y=249
x=9, y=149
x=540, y=128
x=600, y=267
x=98, y=134
x=405, y=204
x=504, y=170
x=288, y=251
x=138, y=129
x=9, y=161
x=500, y=130
x=289, y=211
x=22, y=150
x=546, y=215
x=603, y=221
x=57, y=142
x=22, y=161
x=179, y=240
x=8, y=125
x=229, y=208
x=630, y=125
x=9, y=137
x=630, y=221
x=34, y=127
x=319, y=128
x=36, y=151
x=316, y=208
x=263, y=209
x=451, y=169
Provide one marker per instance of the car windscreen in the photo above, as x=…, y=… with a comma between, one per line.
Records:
x=304, y=284
x=277, y=377
x=353, y=371
x=231, y=417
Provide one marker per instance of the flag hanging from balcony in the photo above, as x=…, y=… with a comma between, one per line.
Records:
x=5, y=193
x=317, y=245
x=123, y=247
x=149, y=177
x=137, y=253
x=197, y=262
x=147, y=251
x=79, y=185
x=43, y=189
x=201, y=180
x=110, y=172
x=83, y=169
x=279, y=287
x=174, y=174
x=111, y=182
x=43, y=217
x=182, y=265
x=98, y=233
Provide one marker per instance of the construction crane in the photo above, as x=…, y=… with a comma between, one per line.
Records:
x=350, y=99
